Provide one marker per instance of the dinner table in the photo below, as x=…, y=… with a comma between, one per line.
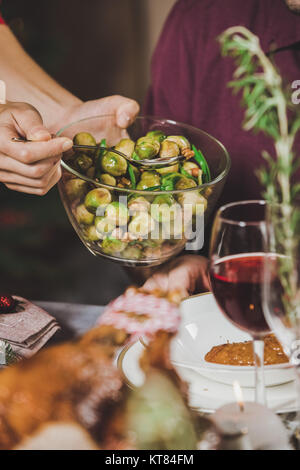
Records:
x=75, y=319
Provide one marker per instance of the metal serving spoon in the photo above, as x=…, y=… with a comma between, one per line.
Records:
x=147, y=163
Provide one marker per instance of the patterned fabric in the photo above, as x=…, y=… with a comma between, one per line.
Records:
x=141, y=314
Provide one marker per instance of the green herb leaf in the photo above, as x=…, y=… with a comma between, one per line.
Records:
x=132, y=176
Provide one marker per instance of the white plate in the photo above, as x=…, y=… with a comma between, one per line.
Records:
x=203, y=326
x=206, y=395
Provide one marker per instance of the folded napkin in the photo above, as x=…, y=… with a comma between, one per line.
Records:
x=28, y=328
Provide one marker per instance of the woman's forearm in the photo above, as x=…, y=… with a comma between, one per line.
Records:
x=31, y=93
x=28, y=82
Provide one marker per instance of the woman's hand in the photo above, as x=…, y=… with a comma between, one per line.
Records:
x=32, y=167
x=124, y=110
x=187, y=273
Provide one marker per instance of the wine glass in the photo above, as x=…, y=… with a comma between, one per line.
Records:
x=237, y=254
x=281, y=293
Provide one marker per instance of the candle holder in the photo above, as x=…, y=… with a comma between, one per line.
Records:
x=233, y=436
x=249, y=425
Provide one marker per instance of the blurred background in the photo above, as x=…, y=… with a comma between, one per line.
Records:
x=94, y=49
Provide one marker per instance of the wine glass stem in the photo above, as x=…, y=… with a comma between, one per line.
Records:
x=297, y=417
x=260, y=393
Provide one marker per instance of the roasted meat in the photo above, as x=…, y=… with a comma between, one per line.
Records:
x=77, y=382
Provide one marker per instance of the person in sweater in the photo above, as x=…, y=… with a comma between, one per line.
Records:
x=189, y=84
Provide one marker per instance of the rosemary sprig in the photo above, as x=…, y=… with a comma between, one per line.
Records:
x=10, y=356
x=268, y=110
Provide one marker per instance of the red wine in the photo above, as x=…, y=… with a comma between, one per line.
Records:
x=237, y=284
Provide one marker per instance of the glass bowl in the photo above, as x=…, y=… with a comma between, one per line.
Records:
x=141, y=231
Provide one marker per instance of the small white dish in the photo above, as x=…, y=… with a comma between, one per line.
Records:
x=203, y=326
x=206, y=395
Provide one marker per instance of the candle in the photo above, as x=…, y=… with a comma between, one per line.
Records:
x=263, y=428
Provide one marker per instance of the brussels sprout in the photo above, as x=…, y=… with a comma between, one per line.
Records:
x=180, y=140
x=156, y=135
x=141, y=186
x=164, y=208
x=91, y=233
x=118, y=233
x=168, y=169
x=185, y=183
x=193, y=200
x=164, y=199
x=169, y=149
x=104, y=226
x=76, y=188
x=138, y=204
x=153, y=252
x=97, y=197
x=150, y=140
x=105, y=178
x=147, y=148
x=114, y=164
x=117, y=212
x=148, y=180
x=91, y=172
x=83, y=162
x=132, y=252
x=126, y=146
x=176, y=228
x=152, y=243
x=83, y=216
x=141, y=224
x=169, y=180
x=173, y=230
x=84, y=138
x=113, y=246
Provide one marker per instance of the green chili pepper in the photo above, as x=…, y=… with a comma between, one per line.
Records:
x=132, y=176
x=199, y=157
x=99, y=154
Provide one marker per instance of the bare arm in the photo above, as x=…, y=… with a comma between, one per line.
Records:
x=27, y=82
x=36, y=107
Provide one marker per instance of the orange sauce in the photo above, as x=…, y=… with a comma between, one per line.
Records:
x=241, y=354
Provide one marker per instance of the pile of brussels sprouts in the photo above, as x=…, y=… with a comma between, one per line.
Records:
x=136, y=226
